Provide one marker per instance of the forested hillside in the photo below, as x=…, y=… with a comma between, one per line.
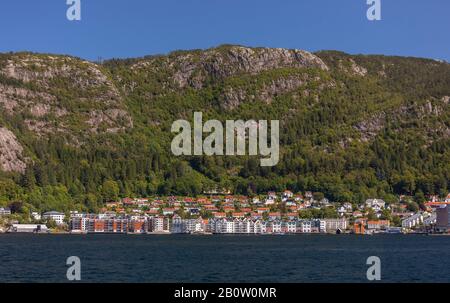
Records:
x=74, y=134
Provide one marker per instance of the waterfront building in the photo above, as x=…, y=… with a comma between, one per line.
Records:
x=240, y=227
x=322, y=226
x=229, y=226
x=185, y=226
x=359, y=228
x=333, y=225
x=97, y=225
x=217, y=225
x=116, y=225
x=412, y=221
x=79, y=224
x=430, y=220
x=159, y=224
x=378, y=224
x=178, y=225
x=55, y=216
x=443, y=217
x=137, y=226
x=277, y=227
x=304, y=226
x=28, y=228
x=235, y=226
x=291, y=227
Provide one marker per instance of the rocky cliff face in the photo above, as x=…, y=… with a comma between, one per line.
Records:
x=49, y=96
x=230, y=61
x=11, y=152
x=53, y=91
x=196, y=68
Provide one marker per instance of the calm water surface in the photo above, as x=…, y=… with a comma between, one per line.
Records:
x=184, y=258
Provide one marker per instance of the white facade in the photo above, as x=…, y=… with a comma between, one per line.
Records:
x=29, y=228
x=335, y=224
x=375, y=204
x=431, y=219
x=412, y=221
x=55, y=216
x=160, y=224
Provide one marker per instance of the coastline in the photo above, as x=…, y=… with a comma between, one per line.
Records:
x=221, y=234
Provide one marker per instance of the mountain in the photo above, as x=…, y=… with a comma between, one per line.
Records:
x=75, y=133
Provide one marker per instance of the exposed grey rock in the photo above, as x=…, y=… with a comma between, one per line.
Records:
x=17, y=99
x=11, y=159
x=109, y=119
x=193, y=70
x=371, y=126
x=233, y=97
x=84, y=81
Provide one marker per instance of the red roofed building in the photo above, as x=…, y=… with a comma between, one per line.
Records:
x=228, y=209
x=292, y=216
x=202, y=201
x=275, y=215
x=219, y=215
x=262, y=209
x=127, y=201
x=378, y=224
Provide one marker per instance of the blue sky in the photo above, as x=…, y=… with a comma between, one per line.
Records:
x=131, y=28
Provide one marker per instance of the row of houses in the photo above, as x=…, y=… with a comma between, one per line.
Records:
x=86, y=223
x=248, y=226
x=257, y=226
x=365, y=226
x=58, y=217
x=442, y=215
x=138, y=225
x=235, y=204
x=438, y=218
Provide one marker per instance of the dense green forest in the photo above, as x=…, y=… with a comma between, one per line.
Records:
x=352, y=126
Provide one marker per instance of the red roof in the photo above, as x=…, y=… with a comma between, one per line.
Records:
x=436, y=203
